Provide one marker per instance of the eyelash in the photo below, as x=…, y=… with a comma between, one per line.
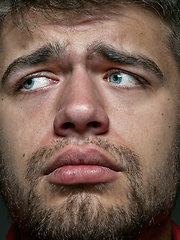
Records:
x=139, y=79
x=19, y=86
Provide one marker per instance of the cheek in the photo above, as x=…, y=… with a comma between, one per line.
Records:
x=148, y=128
x=26, y=127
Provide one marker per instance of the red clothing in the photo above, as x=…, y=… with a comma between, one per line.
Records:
x=13, y=233
x=175, y=231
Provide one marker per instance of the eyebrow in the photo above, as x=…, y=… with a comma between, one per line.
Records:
x=39, y=56
x=55, y=49
x=114, y=55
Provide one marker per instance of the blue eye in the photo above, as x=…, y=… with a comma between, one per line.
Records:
x=28, y=84
x=124, y=79
x=115, y=78
x=35, y=83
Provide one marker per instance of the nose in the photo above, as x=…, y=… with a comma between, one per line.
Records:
x=81, y=110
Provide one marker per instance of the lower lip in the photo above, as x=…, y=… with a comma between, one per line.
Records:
x=81, y=174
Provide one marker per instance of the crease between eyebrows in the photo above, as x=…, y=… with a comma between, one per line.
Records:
x=51, y=50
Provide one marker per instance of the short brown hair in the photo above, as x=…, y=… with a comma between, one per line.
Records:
x=167, y=10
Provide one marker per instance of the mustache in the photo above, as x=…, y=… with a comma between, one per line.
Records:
x=126, y=157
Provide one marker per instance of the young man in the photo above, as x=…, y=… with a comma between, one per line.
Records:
x=89, y=124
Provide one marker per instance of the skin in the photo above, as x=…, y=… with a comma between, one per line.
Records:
x=142, y=118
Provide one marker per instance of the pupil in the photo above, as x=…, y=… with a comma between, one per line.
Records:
x=28, y=83
x=115, y=78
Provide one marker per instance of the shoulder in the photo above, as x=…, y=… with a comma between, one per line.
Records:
x=175, y=231
x=13, y=233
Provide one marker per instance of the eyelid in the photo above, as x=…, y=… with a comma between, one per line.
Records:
x=48, y=75
x=139, y=79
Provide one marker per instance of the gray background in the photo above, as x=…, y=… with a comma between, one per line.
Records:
x=5, y=221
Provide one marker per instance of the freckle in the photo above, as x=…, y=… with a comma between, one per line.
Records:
x=162, y=114
x=158, y=143
x=169, y=126
x=156, y=149
x=2, y=99
x=24, y=155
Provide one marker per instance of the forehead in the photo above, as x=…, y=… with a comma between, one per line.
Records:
x=129, y=28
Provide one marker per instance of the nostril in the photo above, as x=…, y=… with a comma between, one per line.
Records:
x=82, y=121
x=70, y=125
x=94, y=124
x=67, y=125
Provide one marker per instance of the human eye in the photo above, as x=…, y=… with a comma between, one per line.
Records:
x=34, y=83
x=124, y=79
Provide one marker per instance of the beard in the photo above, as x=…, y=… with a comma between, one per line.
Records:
x=82, y=215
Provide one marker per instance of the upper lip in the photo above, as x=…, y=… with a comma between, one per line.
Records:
x=82, y=155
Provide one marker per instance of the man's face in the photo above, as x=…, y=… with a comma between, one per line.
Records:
x=89, y=124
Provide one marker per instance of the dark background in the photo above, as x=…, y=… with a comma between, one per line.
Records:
x=5, y=221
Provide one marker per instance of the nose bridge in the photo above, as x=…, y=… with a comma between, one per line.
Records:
x=82, y=91
x=81, y=106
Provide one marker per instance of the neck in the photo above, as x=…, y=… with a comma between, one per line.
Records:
x=161, y=232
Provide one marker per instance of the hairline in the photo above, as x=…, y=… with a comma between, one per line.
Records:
x=169, y=32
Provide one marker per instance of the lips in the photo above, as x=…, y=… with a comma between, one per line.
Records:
x=82, y=165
